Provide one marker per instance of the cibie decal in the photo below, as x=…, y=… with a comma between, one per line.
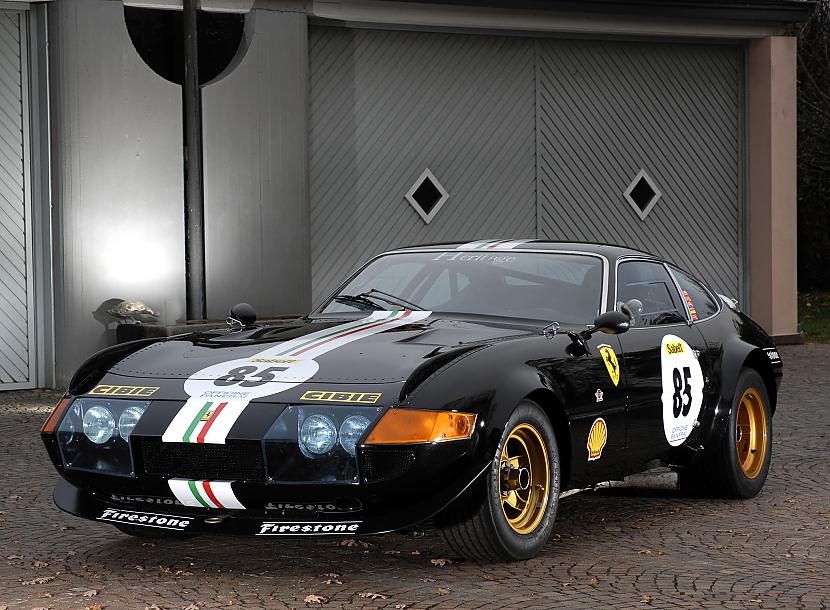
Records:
x=682, y=388
x=307, y=528
x=219, y=393
x=493, y=244
x=130, y=517
x=597, y=437
x=365, y=398
x=609, y=357
x=205, y=494
x=123, y=390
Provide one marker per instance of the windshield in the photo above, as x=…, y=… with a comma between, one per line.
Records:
x=558, y=287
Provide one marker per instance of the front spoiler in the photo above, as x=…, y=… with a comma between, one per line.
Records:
x=264, y=522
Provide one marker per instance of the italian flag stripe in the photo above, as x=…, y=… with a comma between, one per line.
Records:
x=195, y=422
x=210, y=494
x=195, y=491
x=295, y=350
x=346, y=334
x=209, y=423
x=496, y=244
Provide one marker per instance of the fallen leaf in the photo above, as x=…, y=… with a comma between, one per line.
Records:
x=90, y=593
x=373, y=595
x=415, y=552
x=93, y=607
x=40, y=564
x=195, y=606
x=331, y=575
x=316, y=599
x=139, y=568
x=399, y=606
x=13, y=557
x=493, y=577
x=427, y=580
x=443, y=591
x=594, y=581
x=45, y=595
x=646, y=599
x=37, y=581
x=391, y=552
x=183, y=573
x=165, y=569
x=154, y=607
x=441, y=562
x=354, y=542
x=14, y=497
x=333, y=581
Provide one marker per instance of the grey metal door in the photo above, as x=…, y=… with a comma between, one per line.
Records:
x=608, y=110
x=17, y=340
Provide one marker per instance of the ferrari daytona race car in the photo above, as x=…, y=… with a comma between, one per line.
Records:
x=469, y=384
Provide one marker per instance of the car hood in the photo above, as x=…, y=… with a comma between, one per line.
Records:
x=341, y=351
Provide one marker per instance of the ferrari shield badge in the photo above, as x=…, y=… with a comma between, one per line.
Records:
x=609, y=357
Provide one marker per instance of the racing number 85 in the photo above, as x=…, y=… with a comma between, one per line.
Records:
x=682, y=389
x=240, y=374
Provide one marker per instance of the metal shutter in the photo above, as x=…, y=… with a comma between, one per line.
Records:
x=16, y=309
x=606, y=111
x=387, y=105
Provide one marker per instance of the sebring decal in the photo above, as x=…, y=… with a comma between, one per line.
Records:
x=205, y=494
x=597, y=437
x=682, y=388
x=130, y=517
x=307, y=528
x=123, y=390
x=219, y=393
x=493, y=244
x=690, y=305
x=609, y=357
x=364, y=398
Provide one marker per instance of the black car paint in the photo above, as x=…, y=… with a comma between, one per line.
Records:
x=475, y=364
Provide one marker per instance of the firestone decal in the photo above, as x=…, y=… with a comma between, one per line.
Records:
x=129, y=517
x=307, y=528
x=682, y=389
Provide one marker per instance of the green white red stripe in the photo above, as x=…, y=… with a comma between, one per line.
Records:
x=493, y=244
x=205, y=494
x=210, y=413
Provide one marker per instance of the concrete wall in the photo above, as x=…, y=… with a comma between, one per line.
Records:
x=256, y=176
x=116, y=179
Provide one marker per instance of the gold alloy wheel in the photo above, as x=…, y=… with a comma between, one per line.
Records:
x=524, y=479
x=751, y=433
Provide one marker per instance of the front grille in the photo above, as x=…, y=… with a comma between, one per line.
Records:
x=229, y=462
x=384, y=464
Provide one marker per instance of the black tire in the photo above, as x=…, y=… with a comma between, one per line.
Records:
x=476, y=527
x=152, y=533
x=718, y=472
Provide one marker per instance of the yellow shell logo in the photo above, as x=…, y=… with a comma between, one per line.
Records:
x=609, y=357
x=597, y=438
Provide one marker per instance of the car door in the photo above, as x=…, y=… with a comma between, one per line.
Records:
x=661, y=355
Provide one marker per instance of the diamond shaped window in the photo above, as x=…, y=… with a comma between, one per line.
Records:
x=427, y=196
x=642, y=194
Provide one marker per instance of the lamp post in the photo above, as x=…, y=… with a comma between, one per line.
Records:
x=194, y=211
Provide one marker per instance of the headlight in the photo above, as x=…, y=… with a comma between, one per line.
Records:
x=351, y=430
x=99, y=424
x=318, y=434
x=129, y=418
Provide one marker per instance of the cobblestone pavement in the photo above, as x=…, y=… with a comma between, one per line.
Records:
x=627, y=550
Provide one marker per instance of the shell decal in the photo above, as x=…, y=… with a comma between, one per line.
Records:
x=597, y=438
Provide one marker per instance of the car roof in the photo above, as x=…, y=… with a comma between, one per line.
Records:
x=610, y=251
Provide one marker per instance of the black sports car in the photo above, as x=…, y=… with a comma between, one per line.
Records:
x=466, y=383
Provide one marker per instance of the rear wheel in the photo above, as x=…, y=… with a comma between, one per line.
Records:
x=738, y=463
x=509, y=516
x=152, y=533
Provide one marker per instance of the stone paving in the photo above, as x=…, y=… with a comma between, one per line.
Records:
x=628, y=549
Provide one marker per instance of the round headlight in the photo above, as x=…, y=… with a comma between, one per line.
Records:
x=351, y=430
x=99, y=424
x=129, y=418
x=318, y=434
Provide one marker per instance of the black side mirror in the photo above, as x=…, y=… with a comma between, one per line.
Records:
x=242, y=315
x=612, y=323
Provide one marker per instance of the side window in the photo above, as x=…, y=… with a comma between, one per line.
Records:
x=646, y=289
x=700, y=301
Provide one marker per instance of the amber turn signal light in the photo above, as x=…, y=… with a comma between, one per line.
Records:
x=403, y=426
x=52, y=423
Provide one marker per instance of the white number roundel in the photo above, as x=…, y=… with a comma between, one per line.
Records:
x=682, y=388
x=250, y=378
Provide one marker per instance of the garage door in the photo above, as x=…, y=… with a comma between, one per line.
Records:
x=16, y=310
x=628, y=143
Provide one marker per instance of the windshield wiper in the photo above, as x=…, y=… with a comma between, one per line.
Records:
x=358, y=301
x=392, y=299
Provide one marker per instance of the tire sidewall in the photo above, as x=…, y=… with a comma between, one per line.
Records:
x=743, y=486
x=522, y=546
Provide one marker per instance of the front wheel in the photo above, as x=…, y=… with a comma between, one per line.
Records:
x=509, y=516
x=737, y=464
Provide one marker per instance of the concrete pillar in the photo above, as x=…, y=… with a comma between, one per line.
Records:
x=772, y=185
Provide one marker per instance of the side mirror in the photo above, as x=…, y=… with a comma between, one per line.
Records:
x=242, y=315
x=612, y=323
